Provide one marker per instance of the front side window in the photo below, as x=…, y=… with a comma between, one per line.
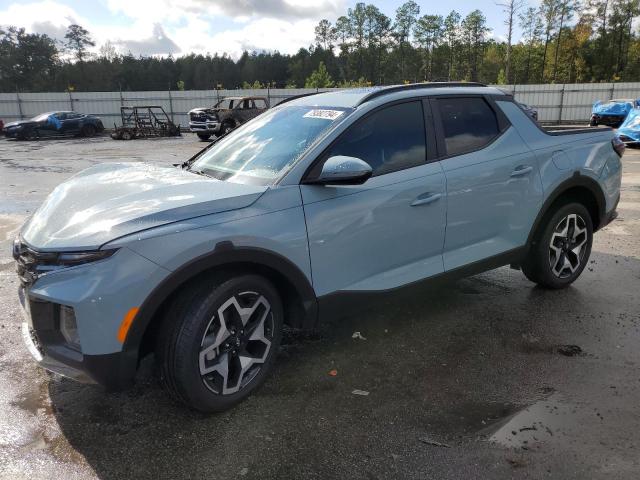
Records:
x=225, y=104
x=469, y=124
x=389, y=140
x=261, y=150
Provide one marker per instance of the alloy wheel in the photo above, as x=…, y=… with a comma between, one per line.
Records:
x=236, y=343
x=567, y=245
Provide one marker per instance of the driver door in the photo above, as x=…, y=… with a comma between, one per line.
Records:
x=388, y=231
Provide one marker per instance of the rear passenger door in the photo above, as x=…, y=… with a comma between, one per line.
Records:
x=388, y=231
x=494, y=190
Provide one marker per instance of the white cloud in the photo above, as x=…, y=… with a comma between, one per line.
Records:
x=263, y=34
x=48, y=17
x=162, y=27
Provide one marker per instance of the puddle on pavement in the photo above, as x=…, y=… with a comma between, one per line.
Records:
x=538, y=423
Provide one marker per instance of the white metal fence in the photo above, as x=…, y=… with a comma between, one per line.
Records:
x=560, y=103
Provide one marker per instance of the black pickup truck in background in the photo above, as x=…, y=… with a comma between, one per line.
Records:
x=225, y=115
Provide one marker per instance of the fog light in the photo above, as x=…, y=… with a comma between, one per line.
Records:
x=69, y=327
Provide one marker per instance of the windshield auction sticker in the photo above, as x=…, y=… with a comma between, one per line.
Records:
x=326, y=114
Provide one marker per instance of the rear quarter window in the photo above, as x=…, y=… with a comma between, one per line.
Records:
x=468, y=124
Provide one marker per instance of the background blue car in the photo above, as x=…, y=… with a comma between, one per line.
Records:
x=629, y=131
x=612, y=112
x=54, y=124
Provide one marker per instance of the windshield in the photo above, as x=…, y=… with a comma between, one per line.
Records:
x=262, y=149
x=41, y=117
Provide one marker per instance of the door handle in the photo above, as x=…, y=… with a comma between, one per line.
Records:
x=426, y=198
x=521, y=170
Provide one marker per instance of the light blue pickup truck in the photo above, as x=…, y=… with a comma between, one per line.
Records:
x=315, y=206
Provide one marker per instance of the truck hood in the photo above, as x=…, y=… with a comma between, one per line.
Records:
x=110, y=200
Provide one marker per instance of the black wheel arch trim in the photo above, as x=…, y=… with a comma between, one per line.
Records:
x=225, y=254
x=576, y=180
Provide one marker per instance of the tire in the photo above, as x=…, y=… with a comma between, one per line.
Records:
x=30, y=134
x=88, y=131
x=204, y=136
x=126, y=135
x=593, y=123
x=193, y=348
x=562, y=249
x=226, y=128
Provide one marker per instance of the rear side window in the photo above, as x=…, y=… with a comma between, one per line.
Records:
x=389, y=140
x=468, y=123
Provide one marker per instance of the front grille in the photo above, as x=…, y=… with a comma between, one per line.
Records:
x=202, y=117
x=30, y=263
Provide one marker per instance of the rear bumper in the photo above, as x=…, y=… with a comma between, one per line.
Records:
x=611, y=215
x=42, y=337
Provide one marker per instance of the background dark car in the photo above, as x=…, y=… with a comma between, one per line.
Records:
x=529, y=110
x=54, y=124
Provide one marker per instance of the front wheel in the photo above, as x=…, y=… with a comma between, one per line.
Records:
x=562, y=250
x=204, y=136
x=219, y=341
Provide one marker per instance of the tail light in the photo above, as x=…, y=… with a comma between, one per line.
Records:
x=619, y=146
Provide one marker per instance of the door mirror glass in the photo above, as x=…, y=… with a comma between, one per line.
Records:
x=342, y=170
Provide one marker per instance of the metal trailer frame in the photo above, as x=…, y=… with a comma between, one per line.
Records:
x=144, y=121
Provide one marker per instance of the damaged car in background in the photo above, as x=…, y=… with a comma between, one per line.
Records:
x=54, y=124
x=613, y=112
x=225, y=115
x=629, y=131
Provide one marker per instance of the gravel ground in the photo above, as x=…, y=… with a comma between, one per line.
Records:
x=472, y=380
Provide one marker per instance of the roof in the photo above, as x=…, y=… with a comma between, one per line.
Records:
x=356, y=96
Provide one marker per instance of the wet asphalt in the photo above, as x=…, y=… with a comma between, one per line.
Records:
x=489, y=377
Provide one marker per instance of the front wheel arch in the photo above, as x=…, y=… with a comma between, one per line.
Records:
x=298, y=297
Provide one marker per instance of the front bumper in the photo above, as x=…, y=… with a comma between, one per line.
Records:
x=12, y=133
x=100, y=294
x=42, y=337
x=204, y=127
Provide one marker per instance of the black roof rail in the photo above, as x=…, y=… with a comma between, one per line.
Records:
x=295, y=97
x=415, y=86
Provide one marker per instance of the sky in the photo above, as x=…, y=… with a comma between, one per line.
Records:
x=180, y=27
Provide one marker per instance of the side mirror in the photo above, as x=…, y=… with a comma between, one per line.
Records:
x=342, y=170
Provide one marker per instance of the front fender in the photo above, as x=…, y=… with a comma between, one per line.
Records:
x=225, y=255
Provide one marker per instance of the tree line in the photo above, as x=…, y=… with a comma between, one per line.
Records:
x=563, y=41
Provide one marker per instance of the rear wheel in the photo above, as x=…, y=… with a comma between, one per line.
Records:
x=88, y=131
x=204, y=136
x=562, y=249
x=219, y=341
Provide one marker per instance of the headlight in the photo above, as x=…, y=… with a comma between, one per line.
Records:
x=32, y=263
x=78, y=258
